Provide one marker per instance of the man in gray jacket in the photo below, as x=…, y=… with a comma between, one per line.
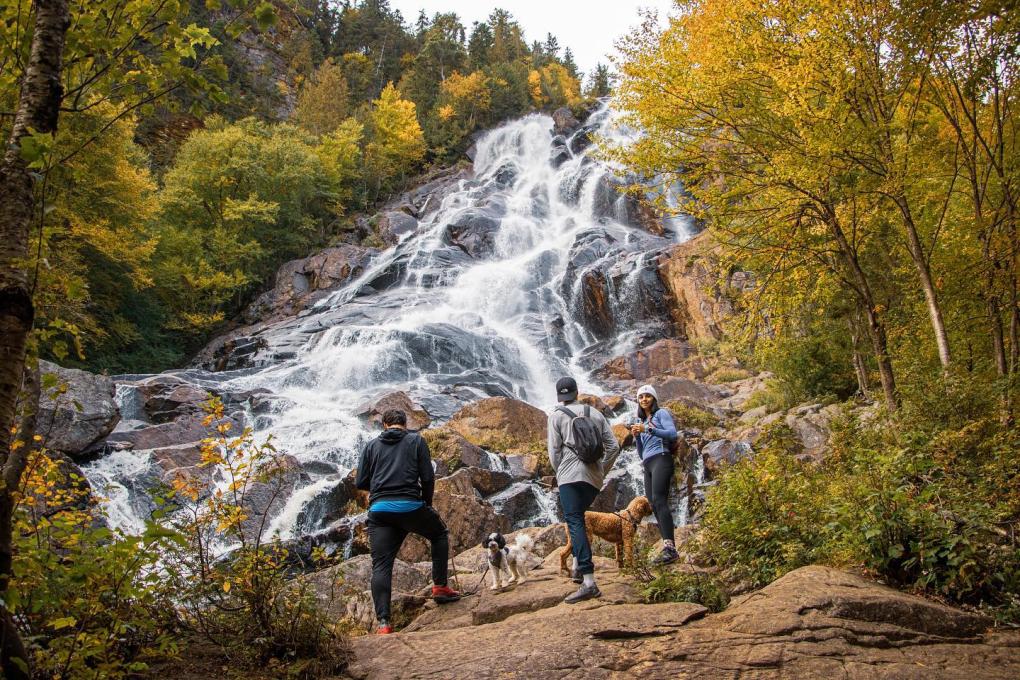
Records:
x=578, y=483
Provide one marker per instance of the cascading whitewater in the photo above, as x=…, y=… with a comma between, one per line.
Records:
x=486, y=298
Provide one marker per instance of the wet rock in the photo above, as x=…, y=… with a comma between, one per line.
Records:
x=76, y=408
x=236, y=352
x=394, y=224
x=502, y=424
x=642, y=214
x=373, y=410
x=596, y=305
x=426, y=197
x=623, y=435
x=616, y=494
x=474, y=231
x=581, y=140
x=167, y=397
x=453, y=450
x=523, y=505
x=487, y=482
x=558, y=152
x=525, y=467
x=616, y=404
x=187, y=428
x=564, y=121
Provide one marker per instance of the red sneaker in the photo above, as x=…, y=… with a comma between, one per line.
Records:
x=443, y=594
x=384, y=629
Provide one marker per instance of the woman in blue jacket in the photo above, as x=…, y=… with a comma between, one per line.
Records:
x=653, y=432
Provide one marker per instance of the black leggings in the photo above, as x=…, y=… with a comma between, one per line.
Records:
x=658, y=477
x=386, y=533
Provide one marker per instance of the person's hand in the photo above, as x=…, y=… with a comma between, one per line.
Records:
x=637, y=428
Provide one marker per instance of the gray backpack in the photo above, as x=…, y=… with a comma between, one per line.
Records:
x=586, y=439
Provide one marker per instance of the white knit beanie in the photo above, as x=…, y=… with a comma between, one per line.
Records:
x=647, y=389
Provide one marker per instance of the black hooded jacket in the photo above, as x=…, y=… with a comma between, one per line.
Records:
x=396, y=466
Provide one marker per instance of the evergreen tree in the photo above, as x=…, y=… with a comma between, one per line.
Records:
x=571, y=66
x=600, y=82
x=479, y=46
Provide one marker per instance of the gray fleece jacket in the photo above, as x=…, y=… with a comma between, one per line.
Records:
x=567, y=465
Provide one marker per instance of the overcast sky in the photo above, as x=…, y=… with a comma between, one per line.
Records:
x=587, y=28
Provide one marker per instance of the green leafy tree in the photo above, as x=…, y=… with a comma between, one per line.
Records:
x=240, y=200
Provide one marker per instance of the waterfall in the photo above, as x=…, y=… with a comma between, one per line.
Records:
x=485, y=299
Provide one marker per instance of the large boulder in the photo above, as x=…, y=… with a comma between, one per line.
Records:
x=185, y=429
x=564, y=121
x=467, y=517
x=344, y=590
x=167, y=397
x=392, y=225
x=722, y=452
x=373, y=410
x=76, y=408
x=656, y=360
x=474, y=231
x=454, y=451
x=502, y=424
x=299, y=283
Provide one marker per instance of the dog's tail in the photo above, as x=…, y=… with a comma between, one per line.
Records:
x=525, y=542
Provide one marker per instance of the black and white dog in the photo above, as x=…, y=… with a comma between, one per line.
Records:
x=513, y=560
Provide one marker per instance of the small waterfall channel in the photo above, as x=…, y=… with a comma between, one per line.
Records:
x=490, y=296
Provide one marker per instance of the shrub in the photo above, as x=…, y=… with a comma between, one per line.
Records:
x=232, y=574
x=726, y=374
x=689, y=416
x=89, y=601
x=679, y=586
x=767, y=515
x=775, y=397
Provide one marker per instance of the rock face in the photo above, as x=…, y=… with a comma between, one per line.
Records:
x=564, y=121
x=815, y=622
x=700, y=289
x=502, y=424
x=297, y=281
x=78, y=411
x=658, y=359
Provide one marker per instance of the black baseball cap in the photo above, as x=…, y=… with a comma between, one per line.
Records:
x=566, y=389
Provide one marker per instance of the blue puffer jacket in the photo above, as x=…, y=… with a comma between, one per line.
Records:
x=659, y=432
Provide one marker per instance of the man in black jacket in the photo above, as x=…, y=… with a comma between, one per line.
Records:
x=396, y=470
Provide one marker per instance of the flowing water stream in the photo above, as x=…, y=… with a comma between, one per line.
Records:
x=486, y=298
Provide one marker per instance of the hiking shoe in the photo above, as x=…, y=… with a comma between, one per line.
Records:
x=576, y=577
x=583, y=593
x=384, y=628
x=669, y=555
x=442, y=594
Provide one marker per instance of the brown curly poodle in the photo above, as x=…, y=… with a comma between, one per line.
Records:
x=617, y=528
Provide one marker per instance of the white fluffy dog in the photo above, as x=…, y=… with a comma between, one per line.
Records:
x=510, y=560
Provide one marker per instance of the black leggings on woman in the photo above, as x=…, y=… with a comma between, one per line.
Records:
x=658, y=477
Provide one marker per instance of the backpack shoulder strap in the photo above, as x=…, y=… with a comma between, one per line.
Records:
x=566, y=410
x=587, y=411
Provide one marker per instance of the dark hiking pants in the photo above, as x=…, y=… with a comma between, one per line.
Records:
x=576, y=498
x=386, y=533
x=658, y=478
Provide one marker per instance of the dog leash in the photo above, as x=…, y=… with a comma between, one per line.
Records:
x=628, y=518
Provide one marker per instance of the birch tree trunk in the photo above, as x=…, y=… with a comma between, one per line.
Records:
x=37, y=110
